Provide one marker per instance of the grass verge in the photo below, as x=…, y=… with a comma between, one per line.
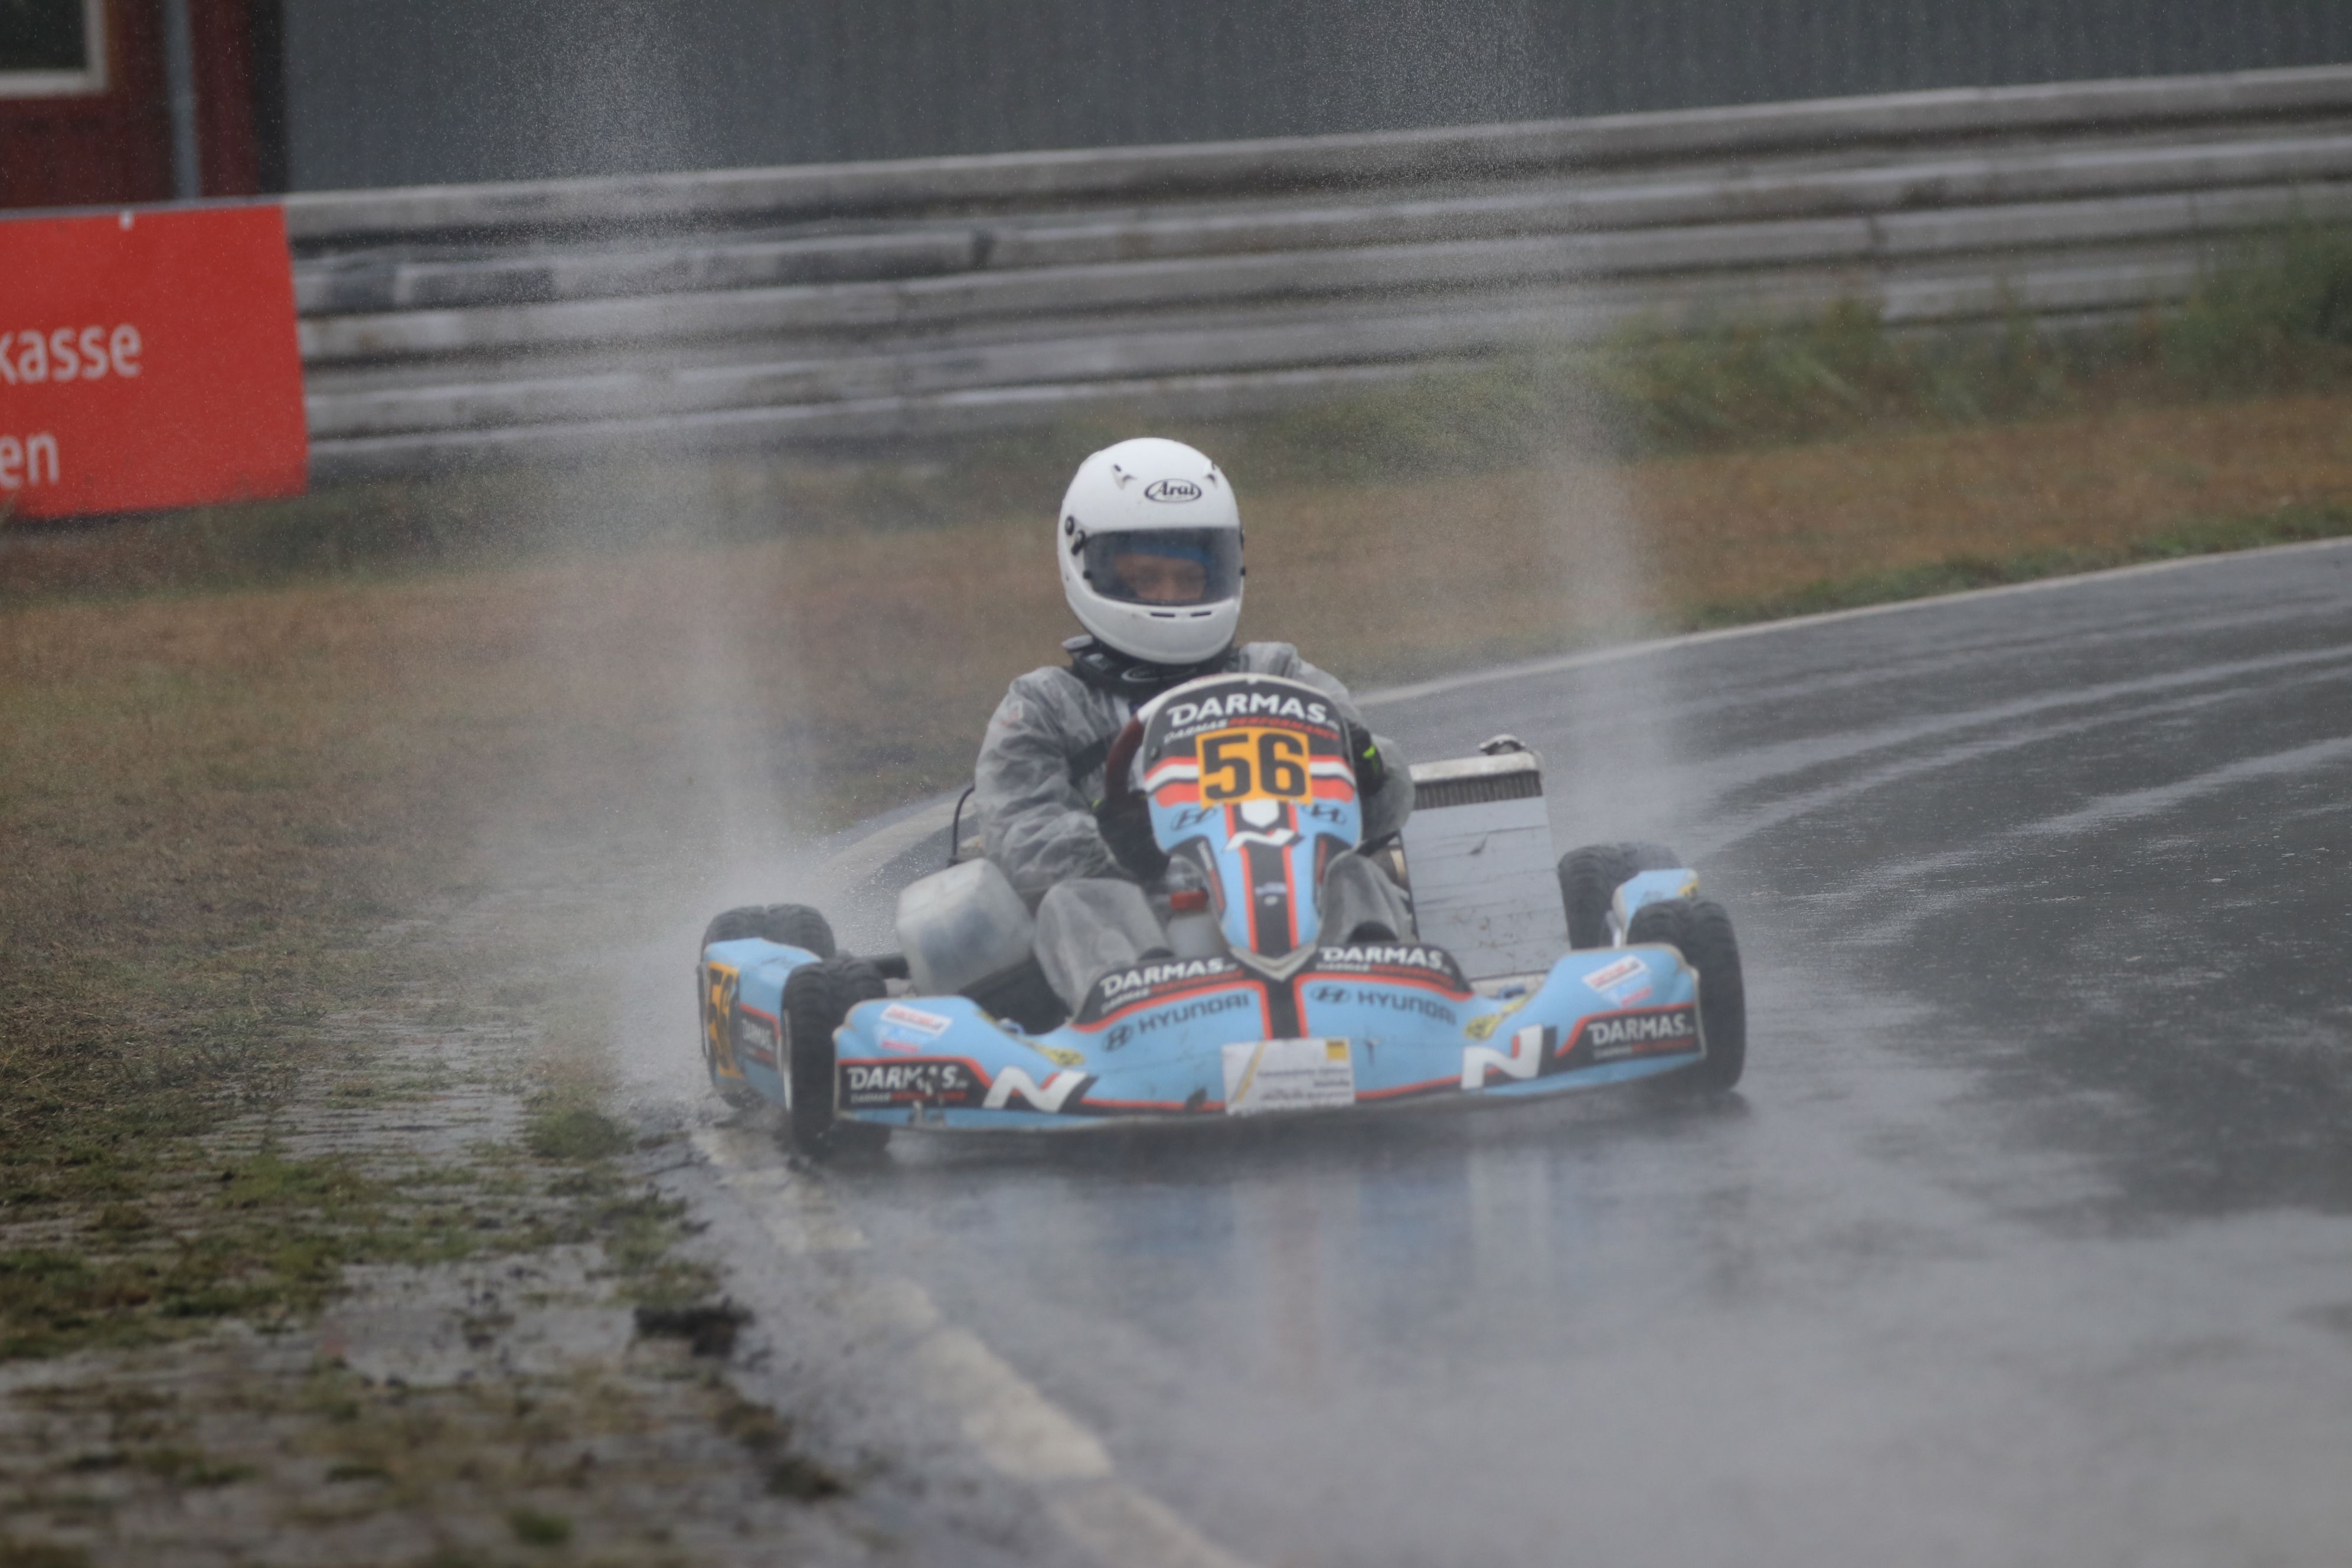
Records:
x=2290, y=525
x=2271, y=316
x=265, y=1241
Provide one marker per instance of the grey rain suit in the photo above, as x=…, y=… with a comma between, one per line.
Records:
x=1037, y=823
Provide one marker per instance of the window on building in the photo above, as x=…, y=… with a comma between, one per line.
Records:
x=51, y=48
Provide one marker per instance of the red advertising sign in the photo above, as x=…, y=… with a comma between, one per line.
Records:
x=148, y=359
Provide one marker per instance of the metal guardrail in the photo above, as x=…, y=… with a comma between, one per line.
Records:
x=861, y=301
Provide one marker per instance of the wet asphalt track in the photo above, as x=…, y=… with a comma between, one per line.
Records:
x=2028, y=1238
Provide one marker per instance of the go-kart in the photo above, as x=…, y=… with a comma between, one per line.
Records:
x=1254, y=1010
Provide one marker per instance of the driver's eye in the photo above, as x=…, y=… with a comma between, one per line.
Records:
x=1161, y=579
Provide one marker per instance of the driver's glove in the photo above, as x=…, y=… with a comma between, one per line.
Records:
x=1371, y=772
x=1125, y=826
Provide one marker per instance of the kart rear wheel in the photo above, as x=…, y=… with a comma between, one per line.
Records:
x=817, y=997
x=1589, y=879
x=1700, y=930
x=794, y=925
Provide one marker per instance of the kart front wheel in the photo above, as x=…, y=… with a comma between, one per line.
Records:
x=1700, y=930
x=1590, y=877
x=817, y=998
x=794, y=925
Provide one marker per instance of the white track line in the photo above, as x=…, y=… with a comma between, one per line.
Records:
x=1016, y=1429
x=1560, y=663
x=1119, y=1524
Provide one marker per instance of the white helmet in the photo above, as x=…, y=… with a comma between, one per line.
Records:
x=1151, y=545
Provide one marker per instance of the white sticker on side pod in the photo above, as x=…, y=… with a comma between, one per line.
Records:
x=1616, y=974
x=1289, y=1075
x=931, y=1026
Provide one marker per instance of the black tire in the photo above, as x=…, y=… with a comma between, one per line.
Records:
x=1700, y=930
x=795, y=925
x=1589, y=879
x=817, y=997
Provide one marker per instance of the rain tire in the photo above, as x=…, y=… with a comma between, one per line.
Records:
x=817, y=998
x=792, y=925
x=1700, y=930
x=1590, y=877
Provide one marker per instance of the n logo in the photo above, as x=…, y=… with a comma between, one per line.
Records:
x=1051, y=1095
x=1525, y=1060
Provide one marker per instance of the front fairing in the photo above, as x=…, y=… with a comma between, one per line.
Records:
x=1209, y=1037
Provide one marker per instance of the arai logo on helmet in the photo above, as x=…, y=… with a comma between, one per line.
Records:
x=1171, y=490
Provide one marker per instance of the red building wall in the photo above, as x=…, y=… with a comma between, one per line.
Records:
x=226, y=154
x=103, y=148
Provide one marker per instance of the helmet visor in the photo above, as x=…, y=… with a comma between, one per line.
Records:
x=1165, y=566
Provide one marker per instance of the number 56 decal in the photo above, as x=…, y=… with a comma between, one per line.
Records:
x=1252, y=761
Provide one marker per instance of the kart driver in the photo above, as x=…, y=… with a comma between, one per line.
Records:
x=1151, y=545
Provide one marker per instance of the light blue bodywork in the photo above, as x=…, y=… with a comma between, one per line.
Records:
x=1411, y=1033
